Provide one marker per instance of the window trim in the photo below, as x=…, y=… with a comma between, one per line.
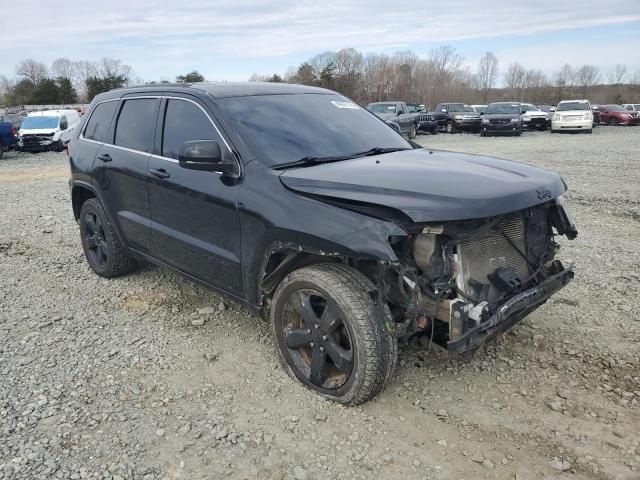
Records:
x=153, y=155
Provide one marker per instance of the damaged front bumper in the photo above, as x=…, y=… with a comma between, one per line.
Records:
x=507, y=314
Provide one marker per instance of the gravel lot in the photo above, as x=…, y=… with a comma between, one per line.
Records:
x=114, y=379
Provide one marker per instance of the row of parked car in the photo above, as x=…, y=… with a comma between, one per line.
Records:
x=37, y=131
x=510, y=118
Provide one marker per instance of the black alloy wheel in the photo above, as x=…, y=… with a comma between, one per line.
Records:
x=331, y=334
x=94, y=238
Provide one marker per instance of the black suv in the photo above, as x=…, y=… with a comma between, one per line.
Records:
x=313, y=212
x=456, y=117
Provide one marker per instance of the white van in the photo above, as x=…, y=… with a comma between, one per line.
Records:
x=47, y=130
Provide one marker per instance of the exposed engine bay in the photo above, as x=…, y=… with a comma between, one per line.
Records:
x=463, y=282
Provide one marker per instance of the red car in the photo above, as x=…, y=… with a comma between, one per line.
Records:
x=616, y=115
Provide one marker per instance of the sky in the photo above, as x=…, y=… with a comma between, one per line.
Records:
x=231, y=39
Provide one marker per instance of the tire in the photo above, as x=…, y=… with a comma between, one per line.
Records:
x=613, y=122
x=413, y=132
x=1, y=152
x=361, y=334
x=59, y=146
x=106, y=255
x=450, y=127
x=434, y=131
x=589, y=132
x=483, y=133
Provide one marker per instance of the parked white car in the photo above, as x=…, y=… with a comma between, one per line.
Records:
x=572, y=115
x=632, y=106
x=532, y=117
x=47, y=130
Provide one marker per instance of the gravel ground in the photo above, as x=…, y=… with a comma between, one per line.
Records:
x=152, y=377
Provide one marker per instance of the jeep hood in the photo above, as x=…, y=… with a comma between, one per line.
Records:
x=429, y=186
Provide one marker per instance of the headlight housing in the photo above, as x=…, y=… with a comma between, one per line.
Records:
x=515, y=120
x=458, y=117
x=557, y=118
x=485, y=121
x=526, y=118
x=588, y=116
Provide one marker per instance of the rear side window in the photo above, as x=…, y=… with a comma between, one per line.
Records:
x=184, y=122
x=98, y=125
x=137, y=124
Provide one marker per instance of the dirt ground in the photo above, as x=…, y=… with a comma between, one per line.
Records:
x=117, y=379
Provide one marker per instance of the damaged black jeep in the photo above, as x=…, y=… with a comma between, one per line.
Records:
x=316, y=214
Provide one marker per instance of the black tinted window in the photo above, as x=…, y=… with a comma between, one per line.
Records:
x=100, y=121
x=137, y=124
x=184, y=122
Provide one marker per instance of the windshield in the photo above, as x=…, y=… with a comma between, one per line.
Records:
x=564, y=106
x=503, y=108
x=286, y=128
x=529, y=108
x=615, y=108
x=417, y=108
x=382, y=108
x=34, y=123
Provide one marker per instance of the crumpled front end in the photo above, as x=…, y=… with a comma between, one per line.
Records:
x=461, y=283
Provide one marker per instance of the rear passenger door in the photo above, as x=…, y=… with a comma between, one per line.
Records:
x=196, y=226
x=120, y=169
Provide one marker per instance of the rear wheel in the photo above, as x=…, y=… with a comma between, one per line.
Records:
x=105, y=254
x=330, y=333
x=613, y=122
x=434, y=131
x=413, y=132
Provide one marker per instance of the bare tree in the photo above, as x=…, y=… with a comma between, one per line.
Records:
x=586, y=77
x=487, y=74
x=514, y=80
x=63, y=67
x=446, y=63
x=616, y=76
x=34, y=71
x=635, y=79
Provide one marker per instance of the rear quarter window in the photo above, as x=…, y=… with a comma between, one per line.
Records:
x=137, y=124
x=98, y=125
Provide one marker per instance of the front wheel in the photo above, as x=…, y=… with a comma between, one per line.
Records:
x=413, y=132
x=332, y=335
x=450, y=127
x=613, y=122
x=590, y=131
x=434, y=131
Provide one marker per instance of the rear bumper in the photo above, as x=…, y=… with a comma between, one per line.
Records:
x=511, y=312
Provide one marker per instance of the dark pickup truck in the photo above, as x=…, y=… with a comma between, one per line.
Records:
x=8, y=137
x=399, y=113
x=454, y=117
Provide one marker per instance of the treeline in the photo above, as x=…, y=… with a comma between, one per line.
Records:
x=443, y=76
x=68, y=82
x=64, y=81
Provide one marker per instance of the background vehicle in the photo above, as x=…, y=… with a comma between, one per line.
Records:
x=455, y=117
x=416, y=107
x=596, y=115
x=479, y=108
x=631, y=106
x=547, y=108
x=533, y=117
x=375, y=261
x=15, y=119
x=409, y=123
x=572, y=115
x=8, y=139
x=502, y=118
x=616, y=115
x=47, y=130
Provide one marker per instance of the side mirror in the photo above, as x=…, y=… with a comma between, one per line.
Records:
x=522, y=112
x=63, y=125
x=398, y=113
x=204, y=155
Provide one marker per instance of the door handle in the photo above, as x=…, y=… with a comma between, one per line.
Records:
x=159, y=172
x=104, y=157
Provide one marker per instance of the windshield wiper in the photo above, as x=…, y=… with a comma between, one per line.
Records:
x=310, y=161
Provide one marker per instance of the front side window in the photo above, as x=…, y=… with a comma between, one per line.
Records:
x=137, y=124
x=98, y=125
x=185, y=122
x=286, y=128
x=382, y=108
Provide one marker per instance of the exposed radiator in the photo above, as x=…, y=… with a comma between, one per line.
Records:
x=482, y=255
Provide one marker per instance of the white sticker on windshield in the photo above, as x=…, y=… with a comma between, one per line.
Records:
x=345, y=104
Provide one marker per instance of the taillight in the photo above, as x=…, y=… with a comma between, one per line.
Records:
x=13, y=131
